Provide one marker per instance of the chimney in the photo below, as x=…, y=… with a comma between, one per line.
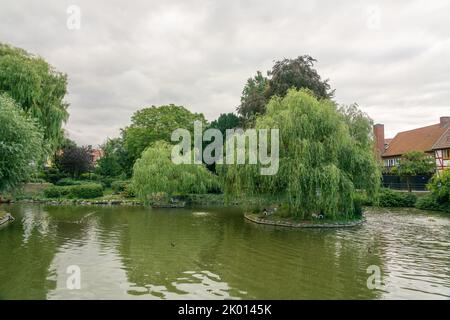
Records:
x=378, y=133
x=444, y=120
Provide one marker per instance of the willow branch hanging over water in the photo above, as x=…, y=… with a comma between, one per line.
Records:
x=325, y=155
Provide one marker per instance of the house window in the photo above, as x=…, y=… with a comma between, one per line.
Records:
x=391, y=162
x=446, y=154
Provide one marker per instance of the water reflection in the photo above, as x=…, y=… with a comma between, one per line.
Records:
x=138, y=253
x=102, y=275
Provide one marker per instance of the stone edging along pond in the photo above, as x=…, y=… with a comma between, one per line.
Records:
x=305, y=224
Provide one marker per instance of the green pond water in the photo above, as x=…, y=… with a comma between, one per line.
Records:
x=213, y=253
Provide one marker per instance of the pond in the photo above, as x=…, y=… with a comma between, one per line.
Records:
x=213, y=253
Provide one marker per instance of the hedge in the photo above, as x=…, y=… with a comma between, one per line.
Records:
x=54, y=192
x=389, y=198
x=85, y=191
x=119, y=186
x=68, y=182
x=123, y=187
x=431, y=202
x=107, y=181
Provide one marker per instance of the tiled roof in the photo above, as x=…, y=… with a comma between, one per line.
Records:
x=420, y=139
x=444, y=140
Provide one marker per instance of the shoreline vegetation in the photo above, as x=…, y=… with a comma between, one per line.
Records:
x=263, y=210
x=387, y=199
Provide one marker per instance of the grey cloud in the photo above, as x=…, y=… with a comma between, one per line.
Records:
x=132, y=54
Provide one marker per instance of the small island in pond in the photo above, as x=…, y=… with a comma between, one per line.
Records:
x=277, y=220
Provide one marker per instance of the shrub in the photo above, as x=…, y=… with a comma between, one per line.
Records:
x=123, y=187
x=90, y=176
x=86, y=191
x=119, y=186
x=363, y=199
x=68, y=182
x=52, y=175
x=440, y=186
x=359, y=201
x=439, y=199
x=129, y=191
x=107, y=181
x=409, y=199
x=57, y=191
x=389, y=198
x=357, y=207
x=36, y=180
x=429, y=202
x=52, y=192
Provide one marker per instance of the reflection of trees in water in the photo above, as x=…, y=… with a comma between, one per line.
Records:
x=270, y=263
x=174, y=253
x=163, y=253
x=28, y=247
x=27, y=250
x=254, y=261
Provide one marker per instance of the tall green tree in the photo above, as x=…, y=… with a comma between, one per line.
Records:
x=298, y=73
x=37, y=87
x=21, y=144
x=226, y=121
x=360, y=127
x=223, y=122
x=359, y=123
x=414, y=163
x=115, y=160
x=320, y=162
x=253, y=99
x=156, y=123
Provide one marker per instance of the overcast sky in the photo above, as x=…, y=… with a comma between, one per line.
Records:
x=391, y=57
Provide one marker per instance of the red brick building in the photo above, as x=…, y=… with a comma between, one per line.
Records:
x=433, y=140
x=96, y=154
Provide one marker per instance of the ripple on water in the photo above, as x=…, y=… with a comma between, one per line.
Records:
x=215, y=254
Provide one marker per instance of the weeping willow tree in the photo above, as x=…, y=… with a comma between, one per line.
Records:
x=325, y=155
x=21, y=144
x=37, y=87
x=155, y=174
